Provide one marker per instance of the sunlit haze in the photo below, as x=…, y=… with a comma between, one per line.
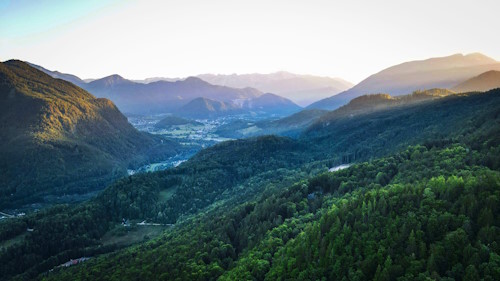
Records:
x=139, y=39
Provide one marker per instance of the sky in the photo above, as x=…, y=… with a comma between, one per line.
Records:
x=138, y=39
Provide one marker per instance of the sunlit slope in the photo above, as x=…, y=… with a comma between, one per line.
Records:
x=57, y=138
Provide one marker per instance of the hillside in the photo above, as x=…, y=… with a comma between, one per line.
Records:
x=271, y=104
x=291, y=126
x=204, y=108
x=377, y=102
x=483, y=82
x=443, y=72
x=311, y=229
x=295, y=124
x=302, y=89
x=170, y=121
x=263, y=105
x=436, y=120
x=56, y=138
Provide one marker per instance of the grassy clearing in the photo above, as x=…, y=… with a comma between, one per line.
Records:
x=166, y=194
x=125, y=236
x=15, y=240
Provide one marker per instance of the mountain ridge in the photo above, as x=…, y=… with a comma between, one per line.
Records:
x=164, y=96
x=114, y=87
x=59, y=75
x=440, y=72
x=300, y=88
x=204, y=108
x=265, y=104
x=299, y=123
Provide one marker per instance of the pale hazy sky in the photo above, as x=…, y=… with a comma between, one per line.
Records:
x=139, y=39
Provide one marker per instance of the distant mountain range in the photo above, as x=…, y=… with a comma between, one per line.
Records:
x=153, y=79
x=56, y=138
x=442, y=72
x=64, y=76
x=161, y=95
x=483, y=82
x=156, y=95
x=302, y=89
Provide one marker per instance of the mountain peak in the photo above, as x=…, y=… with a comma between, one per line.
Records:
x=110, y=81
x=114, y=77
x=193, y=80
x=15, y=62
x=479, y=57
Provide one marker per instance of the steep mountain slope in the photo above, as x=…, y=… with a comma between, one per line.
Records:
x=432, y=207
x=443, y=72
x=162, y=96
x=483, y=82
x=56, y=138
x=302, y=89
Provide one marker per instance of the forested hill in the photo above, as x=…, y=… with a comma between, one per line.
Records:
x=56, y=138
x=238, y=203
x=359, y=137
x=427, y=212
x=203, y=108
x=171, y=121
x=294, y=125
x=377, y=102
